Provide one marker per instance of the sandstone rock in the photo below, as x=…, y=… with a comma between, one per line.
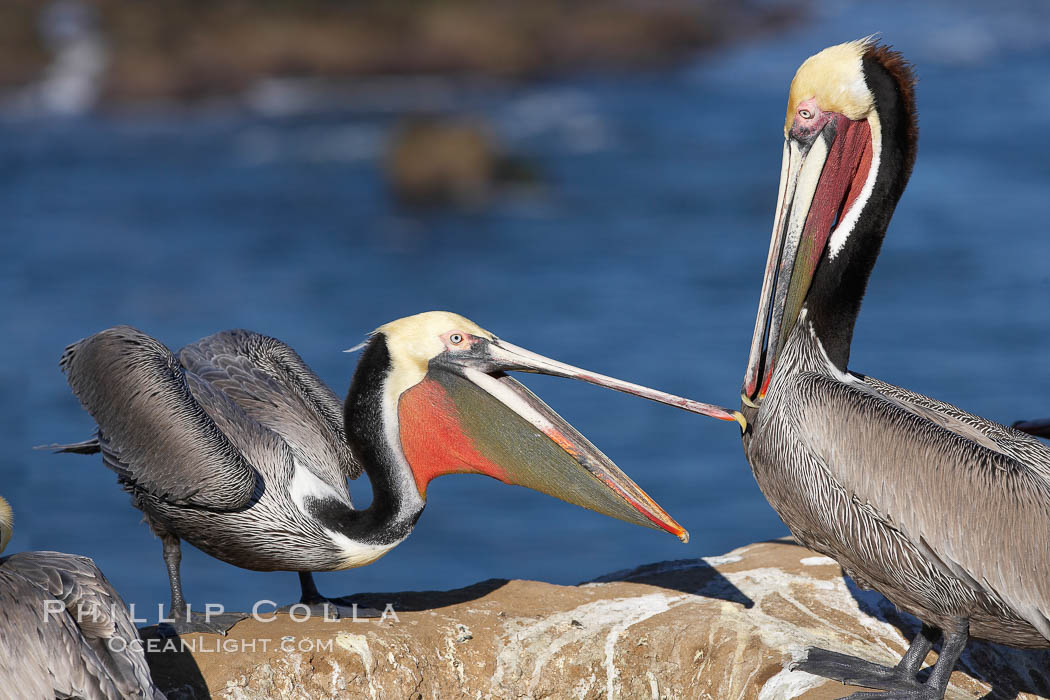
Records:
x=435, y=161
x=720, y=627
x=175, y=49
x=449, y=160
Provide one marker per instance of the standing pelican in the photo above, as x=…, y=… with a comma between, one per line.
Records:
x=237, y=447
x=943, y=512
x=64, y=631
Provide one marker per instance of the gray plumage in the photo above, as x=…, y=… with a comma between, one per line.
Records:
x=273, y=386
x=155, y=431
x=53, y=655
x=945, y=513
x=208, y=443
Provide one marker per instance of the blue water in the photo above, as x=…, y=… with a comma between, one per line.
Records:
x=641, y=257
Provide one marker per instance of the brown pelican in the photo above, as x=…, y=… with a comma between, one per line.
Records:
x=64, y=631
x=943, y=512
x=237, y=447
x=1039, y=427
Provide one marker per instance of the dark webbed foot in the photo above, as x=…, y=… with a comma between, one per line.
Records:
x=898, y=681
x=856, y=671
x=320, y=606
x=355, y=610
x=199, y=622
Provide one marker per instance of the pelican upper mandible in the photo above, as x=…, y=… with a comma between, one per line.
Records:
x=237, y=447
x=64, y=630
x=943, y=512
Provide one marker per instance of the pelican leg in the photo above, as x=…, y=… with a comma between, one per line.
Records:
x=183, y=620
x=172, y=560
x=935, y=686
x=321, y=606
x=310, y=593
x=856, y=671
x=908, y=688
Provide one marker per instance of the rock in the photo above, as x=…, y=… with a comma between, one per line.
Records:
x=720, y=627
x=448, y=161
x=174, y=49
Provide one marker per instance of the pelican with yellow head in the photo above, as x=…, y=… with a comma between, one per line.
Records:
x=237, y=447
x=942, y=511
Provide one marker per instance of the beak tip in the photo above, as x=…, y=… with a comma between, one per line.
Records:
x=684, y=536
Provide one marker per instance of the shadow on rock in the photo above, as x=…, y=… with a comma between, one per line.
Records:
x=172, y=665
x=693, y=576
x=414, y=601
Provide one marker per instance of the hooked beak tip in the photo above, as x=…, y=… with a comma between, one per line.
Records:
x=747, y=402
x=684, y=536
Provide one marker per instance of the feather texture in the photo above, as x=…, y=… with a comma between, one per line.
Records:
x=153, y=429
x=944, y=512
x=65, y=632
x=235, y=446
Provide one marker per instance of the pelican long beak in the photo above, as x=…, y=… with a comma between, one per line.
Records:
x=508, y=357
x=468, y=416
x=820, y=177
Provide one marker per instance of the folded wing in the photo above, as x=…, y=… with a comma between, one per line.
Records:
x=163, y=430
x=82, y=645
x=270, y=382
x=977, y=497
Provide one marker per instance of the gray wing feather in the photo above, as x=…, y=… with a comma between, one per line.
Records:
x=270, y=382
x=152, y=429
x=1010, y=442
x=84, y=645
x=913, y=471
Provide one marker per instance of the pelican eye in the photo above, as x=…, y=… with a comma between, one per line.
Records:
x=455, y=338
x=805, y=114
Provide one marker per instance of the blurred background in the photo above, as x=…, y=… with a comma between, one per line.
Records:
x=592, y=180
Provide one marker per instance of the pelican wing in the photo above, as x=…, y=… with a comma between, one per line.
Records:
x=159, y=426
x=270, y=382
x=65, y=632
x=1009, y=442
x=884, y=446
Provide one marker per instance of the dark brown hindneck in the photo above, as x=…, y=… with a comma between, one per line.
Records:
x=396, y=504
x=839, y=283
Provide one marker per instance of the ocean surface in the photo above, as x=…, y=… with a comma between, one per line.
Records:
x=640, y=256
